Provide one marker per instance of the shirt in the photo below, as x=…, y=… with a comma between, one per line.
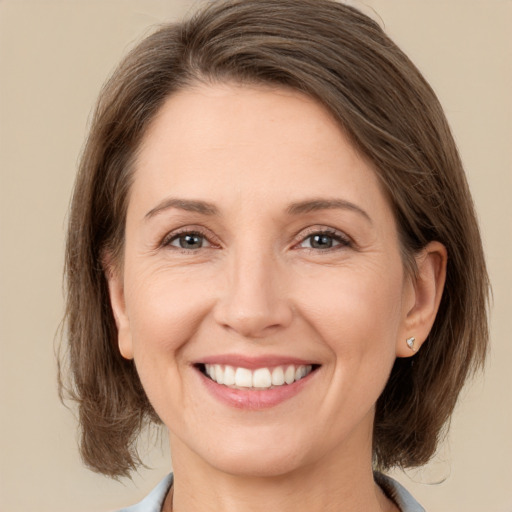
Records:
x=154, y=501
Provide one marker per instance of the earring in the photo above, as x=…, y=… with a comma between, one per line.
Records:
x=410, y=343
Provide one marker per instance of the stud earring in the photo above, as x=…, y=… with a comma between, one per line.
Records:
x=410, y=343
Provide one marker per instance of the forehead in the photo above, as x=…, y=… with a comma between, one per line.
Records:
x=252, y=140
x=229, y=115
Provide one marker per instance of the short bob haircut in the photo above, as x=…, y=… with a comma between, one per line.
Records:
x=343, y=59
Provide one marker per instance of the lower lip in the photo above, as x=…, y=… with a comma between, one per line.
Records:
x=254, y=399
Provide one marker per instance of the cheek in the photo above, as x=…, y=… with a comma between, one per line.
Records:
x=165, y=308
x=358, y=317
x=354, y=312
x=365, y=301
x=165, y=312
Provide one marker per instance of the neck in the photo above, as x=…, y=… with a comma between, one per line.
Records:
x=332, y=485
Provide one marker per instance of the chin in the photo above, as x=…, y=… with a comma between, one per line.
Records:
x=260, y=466
x=254, y=456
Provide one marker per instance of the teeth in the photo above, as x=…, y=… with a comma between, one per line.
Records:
x=219, y=374
x=261, y=378
x=229, y=376
x=277, y=376
x=301, y=372
x=243, y=378
x=289, y=374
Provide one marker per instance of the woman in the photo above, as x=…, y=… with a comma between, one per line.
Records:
x=272, y=251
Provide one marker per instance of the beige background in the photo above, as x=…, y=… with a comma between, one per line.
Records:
x=54, y=55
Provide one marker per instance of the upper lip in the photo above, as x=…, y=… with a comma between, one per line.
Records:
x=252, y=363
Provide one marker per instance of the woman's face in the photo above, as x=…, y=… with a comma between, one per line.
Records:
x=260, y=249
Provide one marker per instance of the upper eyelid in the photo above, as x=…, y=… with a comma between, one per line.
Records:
x=302, y=235
x=215, y=240
x=197, y=230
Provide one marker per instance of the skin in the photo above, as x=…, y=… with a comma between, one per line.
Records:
x=259, y=286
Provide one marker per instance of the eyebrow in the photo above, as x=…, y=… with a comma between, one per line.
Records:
x=313, y=205
x=296, y=208
x=188, y=205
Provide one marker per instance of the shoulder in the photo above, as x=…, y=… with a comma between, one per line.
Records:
x=154, y=500
x=398, y=493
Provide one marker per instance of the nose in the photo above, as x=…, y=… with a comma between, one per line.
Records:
x=254, y=302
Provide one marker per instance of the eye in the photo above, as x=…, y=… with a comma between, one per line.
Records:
x=324, y=240
x=188, y=240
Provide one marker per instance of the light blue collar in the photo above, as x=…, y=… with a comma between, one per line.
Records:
x=154, y=501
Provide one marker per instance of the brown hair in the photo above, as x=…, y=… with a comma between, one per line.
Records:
x=342, y=58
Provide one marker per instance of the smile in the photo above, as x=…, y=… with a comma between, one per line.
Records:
x=259, y=378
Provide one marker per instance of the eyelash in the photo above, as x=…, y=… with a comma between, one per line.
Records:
x=343, y=241
x=171, y=237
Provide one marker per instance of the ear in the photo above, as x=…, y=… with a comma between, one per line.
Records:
x=422, y=296
x=114, y=276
